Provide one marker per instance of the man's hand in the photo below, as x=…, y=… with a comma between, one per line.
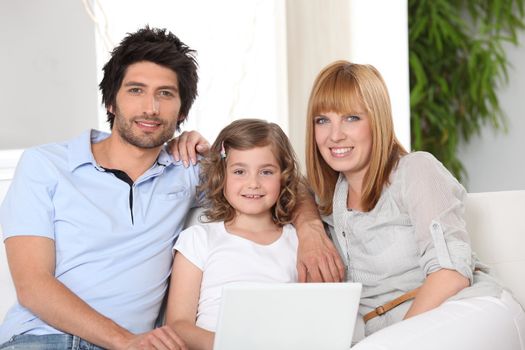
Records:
x=317, y=258
x=186, y=146
x=163, y=338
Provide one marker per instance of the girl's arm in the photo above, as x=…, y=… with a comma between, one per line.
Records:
x=183, y=300
x=438, y=287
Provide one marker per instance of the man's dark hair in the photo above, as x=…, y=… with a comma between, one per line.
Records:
x=154, y=45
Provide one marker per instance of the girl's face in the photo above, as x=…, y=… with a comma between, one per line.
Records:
x=345, y=142
x=253, y=180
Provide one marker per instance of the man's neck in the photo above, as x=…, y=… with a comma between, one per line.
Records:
x=115, y=153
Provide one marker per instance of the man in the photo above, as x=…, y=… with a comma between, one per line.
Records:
x=89, y=224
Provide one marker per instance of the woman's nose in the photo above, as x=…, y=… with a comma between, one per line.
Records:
x=336, y=133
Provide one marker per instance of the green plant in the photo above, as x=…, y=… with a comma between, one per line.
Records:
x=457, y=64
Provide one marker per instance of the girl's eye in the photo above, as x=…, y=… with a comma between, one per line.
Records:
x=266, y=172
x=320, y=120
x=238, y=171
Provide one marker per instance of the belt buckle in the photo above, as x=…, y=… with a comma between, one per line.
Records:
x=380, y=310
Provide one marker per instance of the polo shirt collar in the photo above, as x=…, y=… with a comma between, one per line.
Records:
x=79, y=150
x=165, y=158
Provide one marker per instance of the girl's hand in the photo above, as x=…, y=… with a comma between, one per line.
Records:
x=186, y=146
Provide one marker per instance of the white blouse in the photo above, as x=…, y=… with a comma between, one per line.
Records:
x=417, y=227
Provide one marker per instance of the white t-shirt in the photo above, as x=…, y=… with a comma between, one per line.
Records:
x=225, y=258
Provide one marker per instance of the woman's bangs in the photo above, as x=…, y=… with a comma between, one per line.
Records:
x=339, y=94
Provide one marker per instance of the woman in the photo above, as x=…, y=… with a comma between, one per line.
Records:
x=397, y=220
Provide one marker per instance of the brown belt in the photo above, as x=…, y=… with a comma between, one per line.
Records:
x=380, y=310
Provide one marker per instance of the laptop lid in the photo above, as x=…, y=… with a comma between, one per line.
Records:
x=287, y=316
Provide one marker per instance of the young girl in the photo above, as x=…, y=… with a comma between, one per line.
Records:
x=250, y=181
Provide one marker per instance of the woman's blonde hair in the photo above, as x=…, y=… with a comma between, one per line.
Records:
x=341, y=87
x=245, y=134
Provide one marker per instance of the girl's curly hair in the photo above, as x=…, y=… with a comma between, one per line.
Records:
x=245, y=134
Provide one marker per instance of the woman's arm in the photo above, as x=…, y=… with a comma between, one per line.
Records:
x=438, y=287
x=183, y=300
x=434, y=199
x=317, y=258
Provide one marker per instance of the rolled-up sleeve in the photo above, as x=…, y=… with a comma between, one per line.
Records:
x=435, y=203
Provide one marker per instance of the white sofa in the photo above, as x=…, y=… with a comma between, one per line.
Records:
x=495, y=220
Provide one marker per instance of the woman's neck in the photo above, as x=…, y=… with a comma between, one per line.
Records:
x=354, y=195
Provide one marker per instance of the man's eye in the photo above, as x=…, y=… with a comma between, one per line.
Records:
x=135, y=90
x=166, y=93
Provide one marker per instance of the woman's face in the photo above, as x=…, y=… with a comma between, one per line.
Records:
x=345, y=141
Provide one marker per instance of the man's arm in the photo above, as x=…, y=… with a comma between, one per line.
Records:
x=186, y=146
x=317, y=258
x=32, y=265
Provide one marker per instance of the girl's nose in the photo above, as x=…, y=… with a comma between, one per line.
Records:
x=254, y=182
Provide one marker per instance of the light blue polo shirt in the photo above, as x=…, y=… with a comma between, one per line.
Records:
x=117, y=262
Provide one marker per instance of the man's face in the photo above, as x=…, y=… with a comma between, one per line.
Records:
x=147, y=105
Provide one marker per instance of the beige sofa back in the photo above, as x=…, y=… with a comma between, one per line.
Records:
x=496, y=225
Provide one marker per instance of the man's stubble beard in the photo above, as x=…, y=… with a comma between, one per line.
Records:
x=147, y=141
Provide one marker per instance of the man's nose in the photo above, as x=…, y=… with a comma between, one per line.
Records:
x=151, y=105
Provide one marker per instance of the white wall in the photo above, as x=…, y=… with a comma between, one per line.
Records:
x=320, y=31
x=241, y=51
x=317, y=34
x=495, y=161
x=47, y=65
x=48, y=90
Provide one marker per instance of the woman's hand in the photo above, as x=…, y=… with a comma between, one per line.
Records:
x=317, y=258
x=186, y=146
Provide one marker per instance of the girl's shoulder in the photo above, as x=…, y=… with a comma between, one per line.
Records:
x=203, y=230
x=289, y=228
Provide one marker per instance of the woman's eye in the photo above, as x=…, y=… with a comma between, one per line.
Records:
x=353, y=118
x=320, y=120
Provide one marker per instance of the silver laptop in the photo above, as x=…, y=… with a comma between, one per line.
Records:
x=287, y=316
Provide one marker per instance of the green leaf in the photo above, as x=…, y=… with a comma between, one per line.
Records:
x=457, y=65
